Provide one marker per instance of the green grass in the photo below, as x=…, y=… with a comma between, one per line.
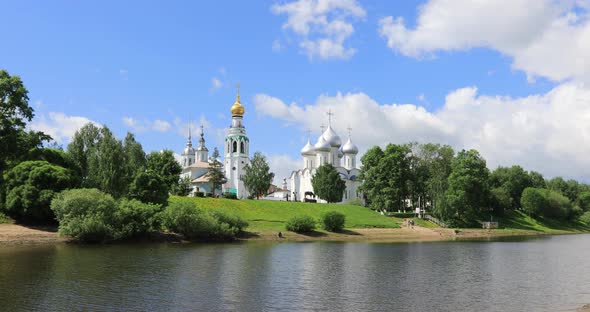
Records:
x=272, y=215
x=425, y=223
x=4, y=218
x=517, y=220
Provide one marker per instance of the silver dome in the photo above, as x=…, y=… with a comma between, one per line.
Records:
x=189, y=150
x=308, y=150
x=332, y=138
x=322, y=145
x=350, y=148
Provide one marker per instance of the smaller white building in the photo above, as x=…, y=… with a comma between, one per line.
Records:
x=195, y=165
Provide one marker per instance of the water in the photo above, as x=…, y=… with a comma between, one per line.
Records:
x=541, y=274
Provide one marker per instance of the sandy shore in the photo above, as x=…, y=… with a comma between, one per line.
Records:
x=17, y=234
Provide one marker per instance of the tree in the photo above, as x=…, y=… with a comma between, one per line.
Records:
x=183, y=188
x=437, y=160
x=537, y=180
x=468, y=193
x=30, y=187
x=215, y=174
x=135, y=159
x=106, y=166
x=584, y=201
x=327, y=184
x=257, y=176
x=514, y=180
x=83, y=147
x=148, y=187
x=164, y=164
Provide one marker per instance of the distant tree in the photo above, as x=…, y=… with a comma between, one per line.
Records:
x=372, y=179
x=149, y=187
x=82, y=148
x=501, y=200
x=327, y=184
x=30, y=187
x=437, y=160
x=107, y=167
x=183, y=188
x=257, y=176
x=216, y=175
x=468, y=193
x=533, y=201
x=537, y=180
x=584, y=201
x=512, y=179
x=135, y=159
x=164, y=164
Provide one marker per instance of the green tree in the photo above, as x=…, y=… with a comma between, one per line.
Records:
x=468, y=193
x=165, y=165
x=183, y=188
x=30, y=187
x=584, y=201
x=82, y=148
x=437, y=160
x=533, y=201
x=135, y=159
x=257, y=176
x=512, y=179
x=327, y=184
x=215, y=174
x=106, y=167
x=537, y=180
x=149, y=187
x=373, y=181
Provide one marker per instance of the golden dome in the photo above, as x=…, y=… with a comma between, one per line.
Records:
x=237, y=109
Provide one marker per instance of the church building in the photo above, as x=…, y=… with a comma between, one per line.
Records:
x=195, y=165
x=327, y=150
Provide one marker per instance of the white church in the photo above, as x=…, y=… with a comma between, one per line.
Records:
x=327, y=150
x=195, y=162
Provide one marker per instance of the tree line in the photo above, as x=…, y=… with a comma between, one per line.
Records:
x=459, y=188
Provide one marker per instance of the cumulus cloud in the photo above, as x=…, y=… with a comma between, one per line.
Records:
x=548, y=132
x=534, y=33
x=146, y=125
x=59, y=126
x=282, y=165
x=322, y=25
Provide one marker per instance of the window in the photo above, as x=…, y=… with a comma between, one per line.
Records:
x=235, y=147
x=242, y=147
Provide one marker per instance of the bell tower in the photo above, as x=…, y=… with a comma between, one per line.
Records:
x=237, y=150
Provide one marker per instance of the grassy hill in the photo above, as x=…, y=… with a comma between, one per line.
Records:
x=517, y=220
x=272, y=215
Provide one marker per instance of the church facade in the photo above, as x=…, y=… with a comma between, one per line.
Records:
x=327, y=150
x=195, y=165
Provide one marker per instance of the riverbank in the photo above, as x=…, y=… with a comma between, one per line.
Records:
x=13, y=234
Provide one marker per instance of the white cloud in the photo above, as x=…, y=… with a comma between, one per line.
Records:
x=216, y=84
x=323, y=25
x=549, y=132
x=281, y=166
x=146, y=125
x=544, y=38
x=59, y=126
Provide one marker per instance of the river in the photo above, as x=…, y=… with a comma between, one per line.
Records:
x=549, y=273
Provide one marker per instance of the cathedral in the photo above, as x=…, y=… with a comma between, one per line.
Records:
x=327, y=150
x=195, y=162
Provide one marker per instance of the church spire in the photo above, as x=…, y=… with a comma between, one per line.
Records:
x=189, y=142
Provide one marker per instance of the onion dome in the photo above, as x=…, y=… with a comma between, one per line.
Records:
x=322, y=145
x=189, y=150
x=307, y=150
x=340, y=153
x=202, y=146
x=237, y=109
x=350, y=148
x=332, y=138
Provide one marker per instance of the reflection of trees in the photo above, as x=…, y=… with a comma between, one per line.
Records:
x=25, y=273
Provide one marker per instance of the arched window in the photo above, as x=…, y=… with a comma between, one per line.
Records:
x=234, y=147
x=242, y=147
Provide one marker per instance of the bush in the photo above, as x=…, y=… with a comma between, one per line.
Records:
x=200, y=194
x=3, y=218
x=149, y=187
x=195, y=223
x=209, y=194
x=585, y=217
x=86, y=214
x=230, y=195
x=234, y=221
x=301, y=224
x=136, y=219
x=333, y=221
x=548, y=203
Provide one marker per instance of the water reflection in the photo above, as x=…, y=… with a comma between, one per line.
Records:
x=548, y=274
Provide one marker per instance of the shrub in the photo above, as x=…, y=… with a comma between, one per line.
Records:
x=301, y=224
x=195, y=223
x=200, y=194
x=86, y=214
x=548, y=203
x=333, y=221
x=230, y=195
x=135, y=219
x=3, y=218
x=149, y=187
x=585, y=217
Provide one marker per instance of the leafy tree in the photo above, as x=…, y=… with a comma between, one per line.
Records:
x=533, y=200
x=501, y=200
x=135, y=159
x=30, y=187
x=537, y=180
x=327, y=184
x=584, y=201
x=149, y=187
x=514, y=180
x=437, y=160
x=106, y=167
x=164, y=164
x=257, y=176
x=372, y=179
x=468, y=193
x=183, y=188
x=216, y=175
x=82, y=148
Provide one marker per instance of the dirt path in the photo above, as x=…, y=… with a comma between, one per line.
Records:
x=18, y=234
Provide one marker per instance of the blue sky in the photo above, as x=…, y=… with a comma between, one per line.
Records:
x=129, y=64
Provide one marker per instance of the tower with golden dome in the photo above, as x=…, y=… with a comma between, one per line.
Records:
x=237, y=150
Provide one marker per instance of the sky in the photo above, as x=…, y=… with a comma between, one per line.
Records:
x=508, y=78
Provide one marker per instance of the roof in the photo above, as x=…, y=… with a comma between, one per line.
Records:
x=202, y=179
x=199, y=164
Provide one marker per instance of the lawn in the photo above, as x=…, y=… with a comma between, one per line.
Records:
x=520, y=221
x=272, y=215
